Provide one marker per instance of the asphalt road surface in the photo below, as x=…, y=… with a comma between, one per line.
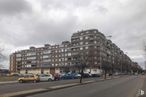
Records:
x=121, y=87
x=16, y=87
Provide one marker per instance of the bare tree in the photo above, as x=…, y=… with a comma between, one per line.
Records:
x=2, y=57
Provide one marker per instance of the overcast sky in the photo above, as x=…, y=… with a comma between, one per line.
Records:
x=25, y=23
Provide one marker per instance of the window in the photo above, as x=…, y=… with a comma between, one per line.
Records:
x=65, y=59
x=81, y=38
x=86, y=43
x=33, y=61
x=81, y=43
x=47, y=52
x=62, y=50
x=86, y=47
x=69, y=54
x=65, y=50
x=31, y=58
x=45, y=56
x=31, y=54
x=81, y=48
x=62, y=55
x=18, y=55
x=95, y=42
x=86, y=37
x=18, y=59
x=46, y=61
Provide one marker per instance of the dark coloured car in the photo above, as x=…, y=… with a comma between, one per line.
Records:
x=67, y=76
x=95, y=75
x=57, y=76
x=86, y=75
x=76, y=75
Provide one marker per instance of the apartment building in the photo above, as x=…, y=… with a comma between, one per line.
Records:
x=48, y=59
x=89, y=48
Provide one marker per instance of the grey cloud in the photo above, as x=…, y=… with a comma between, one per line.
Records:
x=64, y=3
x=2, y=56
x=125, y=21
x=53, y=32
x=11, y=7
x=34, y=31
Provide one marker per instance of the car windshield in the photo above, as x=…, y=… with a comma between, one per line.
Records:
x=28, y=76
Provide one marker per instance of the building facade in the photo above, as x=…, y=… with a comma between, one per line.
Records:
x=90, y=48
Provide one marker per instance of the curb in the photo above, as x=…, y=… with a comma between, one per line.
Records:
x=24, y=93
x=8, y=82
x=53, y=88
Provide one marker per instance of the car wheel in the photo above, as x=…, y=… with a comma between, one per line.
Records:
x=34, y=81
x=49, y=79
x=20, y=81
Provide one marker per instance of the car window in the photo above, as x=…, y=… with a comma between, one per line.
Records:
x=47, y=75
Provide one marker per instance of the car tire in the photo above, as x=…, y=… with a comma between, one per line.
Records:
x=20, y=81
x=49, y=79
x=34, y=81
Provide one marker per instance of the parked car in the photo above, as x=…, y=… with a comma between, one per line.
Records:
x=28, y=78
x=143, y=73
x=16, y=74
x=86, y=75
x=136, y=74
x=67, y=76
x=110, y=74
x=76, y=75
x=46, y=77
x=116, y=74
x=57, y=76
x=95, y=75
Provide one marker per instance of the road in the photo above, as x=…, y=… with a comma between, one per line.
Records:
x=121, y=87
x=16, y=87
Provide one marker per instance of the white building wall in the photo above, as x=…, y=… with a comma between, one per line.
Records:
x=57, y=70
x=22, y=71
x=35, y=71
x=93, y=70
x=46, y=71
